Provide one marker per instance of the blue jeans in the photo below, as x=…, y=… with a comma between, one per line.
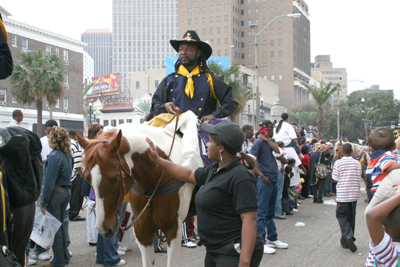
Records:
x=106, y=251
x=328, y=184
x=279, y=186
x=266, y=198
x=295, y=146
x=293, y=202
x=58, y=203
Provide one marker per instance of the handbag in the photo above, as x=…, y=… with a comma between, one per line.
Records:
x=44, y=229
x=7, y=258
x=321, y=170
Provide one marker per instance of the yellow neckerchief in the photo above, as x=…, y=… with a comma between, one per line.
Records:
x=189, y=89
x=3, y=201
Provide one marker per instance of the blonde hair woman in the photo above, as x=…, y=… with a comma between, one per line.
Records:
x=56, y=192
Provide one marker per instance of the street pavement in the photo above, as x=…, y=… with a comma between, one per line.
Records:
x=315, y=244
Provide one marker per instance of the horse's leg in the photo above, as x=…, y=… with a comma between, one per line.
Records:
x=148, y=257
x=23, y=224
x=175, y=246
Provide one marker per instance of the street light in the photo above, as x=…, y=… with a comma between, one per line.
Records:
x=90, y=113
x=363, y=121
x=338, y=106
x=254, y=27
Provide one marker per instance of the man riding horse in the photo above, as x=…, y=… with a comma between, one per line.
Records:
x=193, y=86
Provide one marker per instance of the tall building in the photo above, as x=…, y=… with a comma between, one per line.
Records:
x=100, y=49
x=328, y=73
x=69, y=109
x=284, y=47
x=141, y=33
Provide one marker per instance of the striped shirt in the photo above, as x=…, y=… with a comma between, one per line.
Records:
x=386, y=253
x=76, y=153
x=380, y=161
x=347, y=171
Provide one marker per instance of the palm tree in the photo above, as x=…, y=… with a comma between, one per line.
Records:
x=39, y=75
x=142, y=108
x=240, y=92
x=305, y=117
x=320, y=94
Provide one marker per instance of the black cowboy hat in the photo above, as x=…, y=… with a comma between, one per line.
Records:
x=192, y=38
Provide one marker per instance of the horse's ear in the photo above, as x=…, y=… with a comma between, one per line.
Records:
x=81, y=140
x=116, y=143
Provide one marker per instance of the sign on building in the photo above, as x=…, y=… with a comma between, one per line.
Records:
x=105, y=85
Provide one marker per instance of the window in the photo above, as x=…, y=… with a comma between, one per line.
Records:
x=280, y=42
x=218, y=41
x=226, y=52
x=272, y=77
x=272, y=9
x=128, y=120
x=189, y=10
x=265, y=65
x=249, y=44
x=242, y=56
x=264, y=9
x=226, y=18
x=280, y=64
x=189, y=22
x=218, y=18
x=280, y=76
x=65, y=104
x=203, y=9
x=211, y=19
x=121, y=121
x=226, y=6
x=226, y=40
x=280, y=53
x=249, y=55
x=272, y=42
x=211, y=8
x=3, y=95
x=219, y=53
x=24, y=44
x=272, y=31
x=196, y=21
x=113, y=123
x=249, y=11
x=204, y=31
x=272, y=65
x=279, y=31
x=156, y=83
x=14, y=40
x=264, y=54
x=249, y=33
x=242, y=12
x=256, y=10
x=105, y=123
x=279, y=8
x=196, y=10
x=57, y=51
x=137, y=85
x=211, y=31
x=66, y=81
x=272, y=53
x=218, y=7
x=65, y=54
x=226, y=29
x=57, y=105
x=264, y=21
x=203, y=20
x=48, y=49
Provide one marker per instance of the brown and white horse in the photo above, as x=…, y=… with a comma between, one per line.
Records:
x=110, y=184
x=357, y=149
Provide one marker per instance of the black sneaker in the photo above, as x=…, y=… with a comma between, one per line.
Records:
x=77, y=219
x=350, y=243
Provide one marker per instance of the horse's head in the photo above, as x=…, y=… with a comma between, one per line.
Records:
x=103, y=159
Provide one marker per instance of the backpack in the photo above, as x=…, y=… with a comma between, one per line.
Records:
x=321, y=170
x=21, y=162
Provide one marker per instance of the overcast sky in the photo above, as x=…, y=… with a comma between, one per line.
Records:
x=360, y=35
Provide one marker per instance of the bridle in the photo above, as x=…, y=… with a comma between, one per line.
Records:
x=123, y=172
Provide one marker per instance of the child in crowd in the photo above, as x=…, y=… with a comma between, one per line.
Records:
x=285, y=192
x=382, y=162
x=383, y=227
x=294, y=180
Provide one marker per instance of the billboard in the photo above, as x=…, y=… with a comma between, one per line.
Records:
x=170, y=63
x=103, y=85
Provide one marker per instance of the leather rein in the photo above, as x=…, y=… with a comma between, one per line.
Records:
x=123, y=172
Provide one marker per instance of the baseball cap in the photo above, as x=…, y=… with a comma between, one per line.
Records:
x=230, y=133
x=267, y=123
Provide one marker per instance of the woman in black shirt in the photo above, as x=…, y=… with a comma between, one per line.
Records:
x=226, y=202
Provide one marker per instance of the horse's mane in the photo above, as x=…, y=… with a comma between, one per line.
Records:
x=95, y=151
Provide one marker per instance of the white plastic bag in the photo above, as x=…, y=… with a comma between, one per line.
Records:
x=44, y=229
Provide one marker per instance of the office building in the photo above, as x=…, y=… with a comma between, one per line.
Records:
x=338, y=76
x=88, y=66
x=100, y=49
x=141, y=33
x=284, y=47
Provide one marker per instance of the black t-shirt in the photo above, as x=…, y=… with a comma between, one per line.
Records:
x=222, y=197
x=286, y=185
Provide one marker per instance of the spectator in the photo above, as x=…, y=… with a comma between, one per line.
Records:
x=18, y=116
x=56, y=191
x=76, y=180
x=45, y=139
x=347, y=172
x=6, y=61
x=305, y=191
x=248, y=134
